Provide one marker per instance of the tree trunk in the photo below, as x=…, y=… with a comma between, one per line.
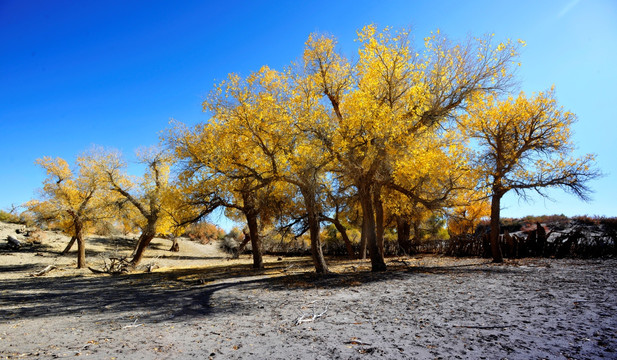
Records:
x=136, y=246
x=313, y=221
x=251, y=219
x=368, y=214
x=417, y=237
x=81, y=244
x=541, y=239
x=251, y=213
x=403, y=232
x=495, y=213
x=379, y=218
x=343, y=231
x=175, y=246
x=318, y=259
x=144, y=240
x=363, y=244
x=69, y=245
x=81, y=252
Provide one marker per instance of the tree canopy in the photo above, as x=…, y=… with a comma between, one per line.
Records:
x=524, y=144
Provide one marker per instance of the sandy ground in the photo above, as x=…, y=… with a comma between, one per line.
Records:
x=199, y=305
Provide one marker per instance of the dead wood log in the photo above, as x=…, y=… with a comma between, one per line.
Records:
x=355, y=341
x=151, y=267
x=47, y=269
x=133, y=325
x=13, y=242
x=401, y=261
x=114, y=267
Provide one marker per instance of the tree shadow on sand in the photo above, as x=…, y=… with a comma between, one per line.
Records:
x=178, y=294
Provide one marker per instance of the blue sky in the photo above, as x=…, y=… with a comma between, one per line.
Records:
x=112, y=73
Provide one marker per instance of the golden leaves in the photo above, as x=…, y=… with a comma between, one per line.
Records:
x=68, y=194
x=525, y=142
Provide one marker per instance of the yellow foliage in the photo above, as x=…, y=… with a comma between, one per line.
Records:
x=381, y=120
x=147, y=201
x=465, y=219
x=524, y=143
x=71, y=196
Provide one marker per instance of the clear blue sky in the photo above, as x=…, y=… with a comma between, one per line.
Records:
x=112, y=73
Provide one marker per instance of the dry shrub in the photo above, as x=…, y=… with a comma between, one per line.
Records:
x=230, y=245
x=204, y=232
x=37, y=236
x=106, y=228
x=232, y=240
x=594, y=220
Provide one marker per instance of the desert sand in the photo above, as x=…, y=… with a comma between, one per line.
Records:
x=198, y=304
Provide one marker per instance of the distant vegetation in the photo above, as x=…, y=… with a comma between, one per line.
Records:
x=11, y=218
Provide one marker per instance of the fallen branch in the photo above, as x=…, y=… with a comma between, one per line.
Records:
x=288, y=268
x=133, y=325
x=47, y=269
x=304, y=317
x=357, y=342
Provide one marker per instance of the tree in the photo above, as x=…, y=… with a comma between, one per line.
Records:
x=305, y=161
x=73, y=199
x=524, y=144
x=464, y=219
x=409, y=216
x=255, y=145
x=11, y=216
x=390, y=99
x=148, y=195
x=218, y=168
x=326, y=117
